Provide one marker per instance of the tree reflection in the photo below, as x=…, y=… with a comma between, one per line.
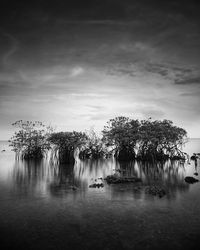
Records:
x=45, y=177
x=31, y=176
x=170, y=173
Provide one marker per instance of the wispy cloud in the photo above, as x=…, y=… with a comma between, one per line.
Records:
x=76, y=71
x=192, y=80
x=14, y=44
x=84, y=72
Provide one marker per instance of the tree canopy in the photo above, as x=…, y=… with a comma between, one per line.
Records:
x=130, y=139
x=30, y=141
x=150, y=139
x=65, y=144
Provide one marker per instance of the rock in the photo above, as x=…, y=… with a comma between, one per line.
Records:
x=96, y=185
x=73, y=188
x=193, y=157
x=3, y=150
x=155, y=190
x=190, y=179
x=114, y=179
x=137, y=189
x=196, y=173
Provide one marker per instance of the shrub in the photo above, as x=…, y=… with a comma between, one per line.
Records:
x=31, y=139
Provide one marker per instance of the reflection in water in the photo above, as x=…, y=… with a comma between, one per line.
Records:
x=169, y=174
x=33, y=175
x=40, y=209
x=45, y=178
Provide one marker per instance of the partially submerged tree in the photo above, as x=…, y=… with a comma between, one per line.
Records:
x=160, y=140
x=65, y=144
x=129, y=138
x=122, y=133
x=94, y=147
x=31, y=139
x=152, y=139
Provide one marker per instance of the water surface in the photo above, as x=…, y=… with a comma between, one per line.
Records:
x=45, y=206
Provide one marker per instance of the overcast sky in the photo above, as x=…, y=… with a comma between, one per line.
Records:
x=76, y=64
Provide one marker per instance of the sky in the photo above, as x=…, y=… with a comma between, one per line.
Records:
x=77, y=64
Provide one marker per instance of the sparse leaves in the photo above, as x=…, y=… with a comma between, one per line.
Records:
x=30, y=141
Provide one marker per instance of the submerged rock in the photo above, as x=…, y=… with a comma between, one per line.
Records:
x=190, y=179
x=114, y=179
x=96, y=185
x=196, y=173
x=195, y=156
x=155, y=190
x=73, y=188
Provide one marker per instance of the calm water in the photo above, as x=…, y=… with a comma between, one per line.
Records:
x=40, y=210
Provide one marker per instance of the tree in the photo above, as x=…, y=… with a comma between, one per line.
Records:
x=94, y=147
x=154, y=139
x=122, y=132
x=65, y=144
x=160, y=140
x=31, y=139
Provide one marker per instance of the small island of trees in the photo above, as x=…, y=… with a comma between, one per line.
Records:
x=124, y=138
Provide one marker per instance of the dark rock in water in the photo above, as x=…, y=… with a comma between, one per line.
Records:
x=96, y=185
x=3, y=150
x=137, y=189
x=155, y=190
x=114, y=179
x=193, y=157
x=74, y=188
x=190, y=179
x=196, y=173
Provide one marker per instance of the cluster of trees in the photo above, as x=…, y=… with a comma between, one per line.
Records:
x=65, y=144
x=30, y=141
x=145, y=140
x=128, y=138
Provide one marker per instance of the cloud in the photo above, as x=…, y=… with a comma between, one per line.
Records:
x=87, y=70
x=76, y=71
x=14, y=44
x=192, y=80
x=191, y=94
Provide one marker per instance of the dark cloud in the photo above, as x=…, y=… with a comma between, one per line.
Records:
x=88, y=61
x=191, y=94
x=46, y=11
x=193, y=80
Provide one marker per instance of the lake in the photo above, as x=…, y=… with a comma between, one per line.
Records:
x=46, y=206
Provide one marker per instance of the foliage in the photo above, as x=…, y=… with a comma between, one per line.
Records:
x=152, y=139
x=65, y=144
x=129, y=138
x=160, y=139
x=31, y=139
x=94, y=147
x=122, y=132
